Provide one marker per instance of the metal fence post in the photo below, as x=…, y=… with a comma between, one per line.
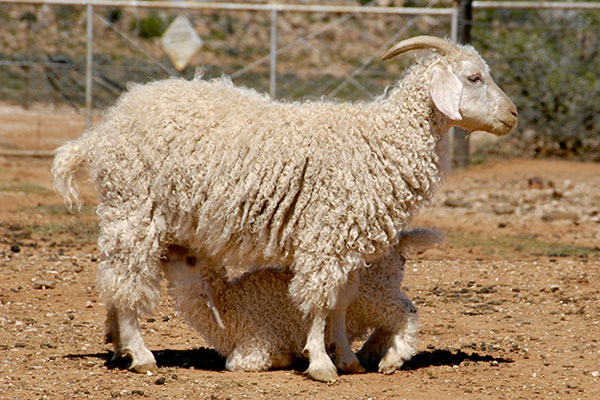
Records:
x=273, y=67
x=88, y=67
x=454, y=22
x=460, y=140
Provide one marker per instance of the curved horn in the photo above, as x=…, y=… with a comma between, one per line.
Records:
x=420, y=42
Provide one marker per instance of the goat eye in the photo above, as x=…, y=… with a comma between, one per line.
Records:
x=190, y=261
x=475, y=78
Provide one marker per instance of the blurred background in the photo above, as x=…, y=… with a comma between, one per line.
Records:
x=545, y=59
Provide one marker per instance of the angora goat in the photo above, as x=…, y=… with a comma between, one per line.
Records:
x=264, y=329
x=321, y=186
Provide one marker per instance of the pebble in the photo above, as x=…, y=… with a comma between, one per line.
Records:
x=535, y=182
x=596, y=374
x=15, y=248
x=160, y=381
x=503, y=209
x=42, y=284
x=456, y=203
x=560, y=215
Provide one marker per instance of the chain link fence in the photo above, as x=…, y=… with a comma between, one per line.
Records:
x=545, y=59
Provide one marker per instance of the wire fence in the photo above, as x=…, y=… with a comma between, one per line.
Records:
x=292, y=50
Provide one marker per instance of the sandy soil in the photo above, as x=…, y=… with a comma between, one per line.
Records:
x=509, y=305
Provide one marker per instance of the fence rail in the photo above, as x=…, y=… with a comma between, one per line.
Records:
x=192, y=5
x=307, y=8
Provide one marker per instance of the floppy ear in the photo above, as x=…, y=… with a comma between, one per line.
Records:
x=446, y=90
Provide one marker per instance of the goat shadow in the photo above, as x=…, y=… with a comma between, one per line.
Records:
x=210, y=360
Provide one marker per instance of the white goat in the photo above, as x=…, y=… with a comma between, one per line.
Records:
x=321, y=186
x=264, y=329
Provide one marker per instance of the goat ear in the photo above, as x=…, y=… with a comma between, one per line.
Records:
x=446, y=90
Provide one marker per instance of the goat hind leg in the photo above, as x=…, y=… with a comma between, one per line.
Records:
x=128, y=341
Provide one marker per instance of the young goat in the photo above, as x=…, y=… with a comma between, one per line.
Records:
x=264, y=329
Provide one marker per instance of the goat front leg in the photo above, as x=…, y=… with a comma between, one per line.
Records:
x=123, y=330
x=394, y=341
x=345, y=359
x=320, y=367
x=403, y=343
x=375, y=347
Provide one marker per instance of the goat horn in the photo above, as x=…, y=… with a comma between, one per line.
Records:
x=420, y=42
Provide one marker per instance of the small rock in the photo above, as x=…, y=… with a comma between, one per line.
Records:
x=503, y=209
x=20, y=344
x=160, y=381
x=595, y=374
x=456, y=203
x=554, y=288
x=137, y=392
x=44, y=284
x=559, y=215
x=15, y=248
x=535, y=183
x=166, y=318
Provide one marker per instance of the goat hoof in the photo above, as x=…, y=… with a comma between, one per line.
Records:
x=147, y=368
x=328, y=374
x=388, y=368
x=352, y=368
x=370, y=361
x=125, y=360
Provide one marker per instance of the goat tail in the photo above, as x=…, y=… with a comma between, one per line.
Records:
x=419, y=239
x=68, y=159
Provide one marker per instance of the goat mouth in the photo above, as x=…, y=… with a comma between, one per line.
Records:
x=505, y=126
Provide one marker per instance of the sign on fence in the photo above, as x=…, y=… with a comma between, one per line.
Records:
x=180, y=41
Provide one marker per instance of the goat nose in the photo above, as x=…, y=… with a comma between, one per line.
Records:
x=513, y=111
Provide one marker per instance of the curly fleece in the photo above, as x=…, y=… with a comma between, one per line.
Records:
x=321, y=186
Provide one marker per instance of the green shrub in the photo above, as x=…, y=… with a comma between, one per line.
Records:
x=113, y=14
x=151, y=26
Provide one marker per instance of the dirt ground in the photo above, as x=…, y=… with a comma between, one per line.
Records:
x=509, y=304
